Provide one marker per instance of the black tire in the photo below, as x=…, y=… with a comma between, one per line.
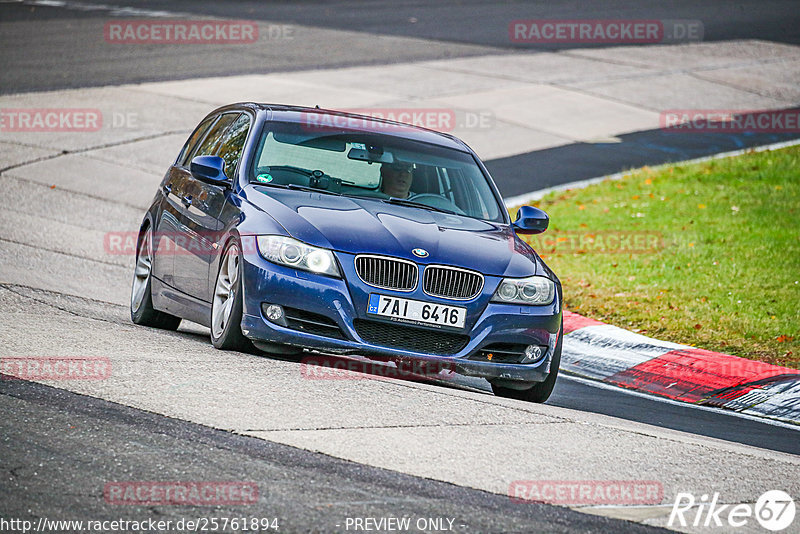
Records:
x=230, y=336
x=540, y=391
x=142, y=311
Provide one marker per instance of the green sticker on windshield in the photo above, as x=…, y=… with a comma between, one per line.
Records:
x=264, y=178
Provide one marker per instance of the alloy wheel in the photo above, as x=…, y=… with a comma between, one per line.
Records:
x=225, y=291
x=141, y=274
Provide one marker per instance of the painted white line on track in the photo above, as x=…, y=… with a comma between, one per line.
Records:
x=525, y=198
x=113, y=10
x=635, y=393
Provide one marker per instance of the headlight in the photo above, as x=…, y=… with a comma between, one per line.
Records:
x=536, y=290
x=293, y=253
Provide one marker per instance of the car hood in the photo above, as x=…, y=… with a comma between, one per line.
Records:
x=369, y=226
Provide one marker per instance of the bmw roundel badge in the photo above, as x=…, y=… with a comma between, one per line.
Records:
x=420, y=252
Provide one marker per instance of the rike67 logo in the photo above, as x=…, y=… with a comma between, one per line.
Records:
x=774, y=510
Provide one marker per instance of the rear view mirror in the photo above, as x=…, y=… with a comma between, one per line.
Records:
x=531, y=220
x=371, y=153
x=209, y=169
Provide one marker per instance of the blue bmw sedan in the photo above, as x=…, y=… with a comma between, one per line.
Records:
x=294, y=229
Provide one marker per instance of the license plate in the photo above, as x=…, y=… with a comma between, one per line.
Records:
x=417, y=311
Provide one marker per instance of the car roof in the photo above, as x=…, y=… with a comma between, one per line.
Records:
x=363, y=123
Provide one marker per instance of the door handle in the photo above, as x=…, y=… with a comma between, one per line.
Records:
x=187, y=200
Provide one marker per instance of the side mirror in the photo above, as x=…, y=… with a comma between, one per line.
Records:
x=209, y=169
x=531, y=220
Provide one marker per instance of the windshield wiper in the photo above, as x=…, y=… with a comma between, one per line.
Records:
x=411, y=203
x=297, y=187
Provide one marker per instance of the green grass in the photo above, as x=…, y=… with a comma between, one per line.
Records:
x=725, y=275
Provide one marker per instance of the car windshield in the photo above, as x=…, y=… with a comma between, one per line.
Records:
x=383, y=167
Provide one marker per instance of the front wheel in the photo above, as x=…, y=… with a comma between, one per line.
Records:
x=142, y=311
x=540, y=391
x=226, y=306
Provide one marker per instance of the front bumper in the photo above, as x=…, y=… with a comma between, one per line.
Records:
x=344, y=302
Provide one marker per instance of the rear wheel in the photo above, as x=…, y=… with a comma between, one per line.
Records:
x=540, y=391
x=226, y=306
x=142, y=311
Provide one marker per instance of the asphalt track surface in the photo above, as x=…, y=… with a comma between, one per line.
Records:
x=59, y=56
x=81, y=441
x=67, y=53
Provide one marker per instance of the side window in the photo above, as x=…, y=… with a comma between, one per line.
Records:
x=232, y=144
x=193, y=140
x=209, y=145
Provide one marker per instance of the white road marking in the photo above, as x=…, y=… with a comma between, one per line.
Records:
x=114, y=10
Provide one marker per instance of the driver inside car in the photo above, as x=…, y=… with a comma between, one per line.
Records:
x=396, y=178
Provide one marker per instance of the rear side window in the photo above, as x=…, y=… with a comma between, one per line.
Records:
x=209, y=145
x=195, y=138
x=232, y=144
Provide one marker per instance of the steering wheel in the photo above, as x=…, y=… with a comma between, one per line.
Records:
x=437, y=201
